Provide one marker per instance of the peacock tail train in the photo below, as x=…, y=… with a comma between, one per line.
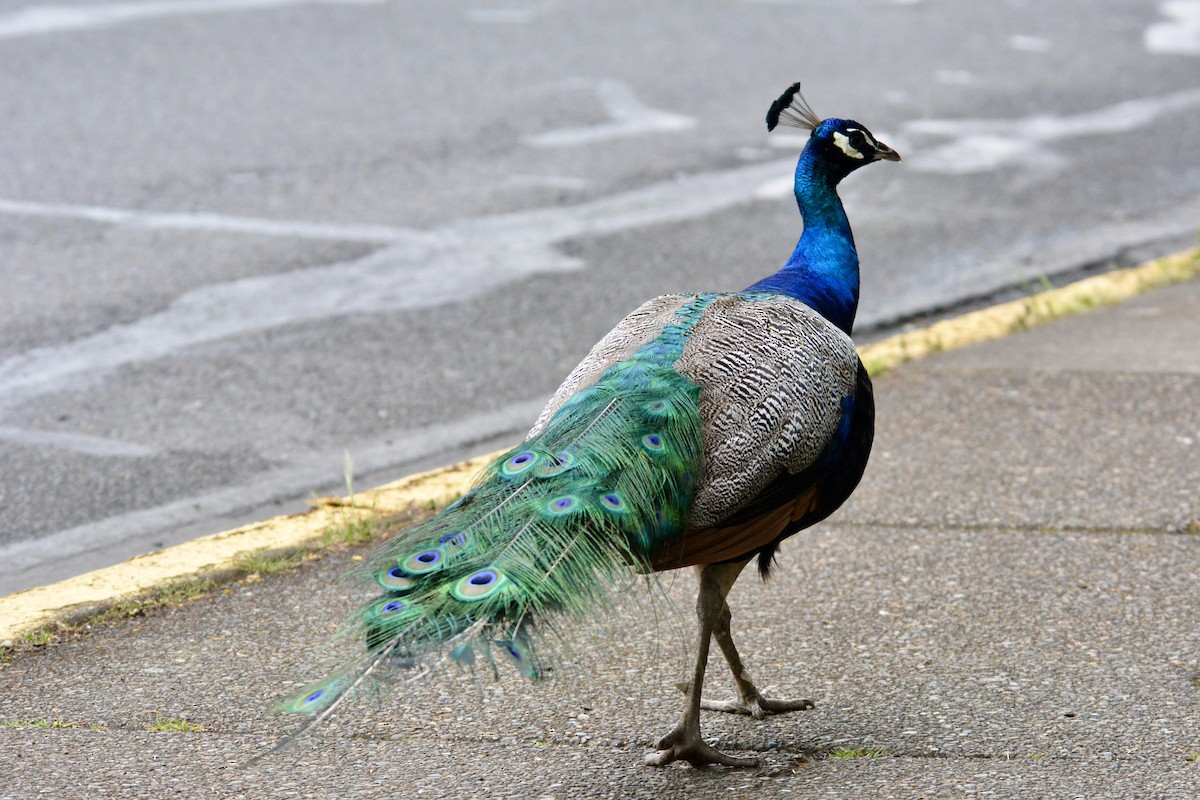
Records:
x=547, y=529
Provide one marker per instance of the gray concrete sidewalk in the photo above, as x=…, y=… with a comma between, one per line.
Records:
x=1008, y=607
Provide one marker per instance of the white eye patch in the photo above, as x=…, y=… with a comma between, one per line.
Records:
x=843, y=143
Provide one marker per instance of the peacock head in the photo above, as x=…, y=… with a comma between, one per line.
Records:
x=841, y=145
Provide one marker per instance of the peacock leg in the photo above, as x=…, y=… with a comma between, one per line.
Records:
x=752, y=703
x=684, y=743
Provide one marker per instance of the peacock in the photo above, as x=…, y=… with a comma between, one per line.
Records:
x=702, y=431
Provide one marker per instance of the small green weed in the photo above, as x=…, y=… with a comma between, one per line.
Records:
x=41, y=637
x=40, y=722
x=182, y=591
x=267, y=563
x=175, y=725
x=353, y=532
x=170, y=594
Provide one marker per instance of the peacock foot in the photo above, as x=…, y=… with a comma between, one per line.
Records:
x=757, y=706
x=680, y=745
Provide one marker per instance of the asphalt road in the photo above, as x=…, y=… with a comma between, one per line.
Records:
x=1021, y=626
x=241, y=238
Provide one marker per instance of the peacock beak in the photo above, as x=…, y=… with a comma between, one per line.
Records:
x=885, y=153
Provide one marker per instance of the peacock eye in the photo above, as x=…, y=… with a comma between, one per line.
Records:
x=858, y=140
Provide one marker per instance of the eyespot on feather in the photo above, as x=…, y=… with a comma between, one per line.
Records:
x=613, y=502
x=657, y=408
x=424, y=562
x=654, y=442
x=391, y=609
x=314, y=698
x=519, y=464
x=562, y=505
x=480, y=585
x=395, y=579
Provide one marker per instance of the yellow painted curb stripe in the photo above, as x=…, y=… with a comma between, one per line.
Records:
x=32, y=609
x=1029, y=312
x=29, y=610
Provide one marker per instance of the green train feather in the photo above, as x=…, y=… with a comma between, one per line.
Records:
x=547, y=530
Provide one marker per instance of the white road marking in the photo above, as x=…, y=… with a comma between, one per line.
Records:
x=548, y=182
x=954, y=77
x=505, y=16
x=77, y=442
x=416, y=269
x=981, y=145
x=151, y=220
x=1029, y=44
x=38, y=20
x=1180, y=34
x=631, y=117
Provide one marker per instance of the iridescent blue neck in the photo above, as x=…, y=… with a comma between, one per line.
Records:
x=823, y=269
